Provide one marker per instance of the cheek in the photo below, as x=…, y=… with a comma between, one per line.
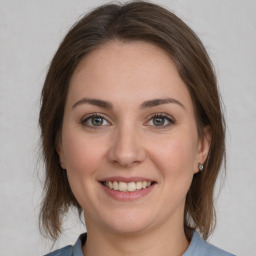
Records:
x=82, y=158
x=175, y=157
x=82, y=153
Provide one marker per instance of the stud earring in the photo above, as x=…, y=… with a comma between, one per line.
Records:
x=200, y=167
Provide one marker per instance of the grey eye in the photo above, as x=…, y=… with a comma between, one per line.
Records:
x=94, y=121
x=97, y=121
x=159, y=121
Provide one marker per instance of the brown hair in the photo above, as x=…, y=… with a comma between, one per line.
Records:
x=149, y=22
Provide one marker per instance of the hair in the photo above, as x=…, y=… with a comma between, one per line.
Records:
x=144, y=21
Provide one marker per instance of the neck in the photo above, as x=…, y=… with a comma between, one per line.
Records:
x=165, y=240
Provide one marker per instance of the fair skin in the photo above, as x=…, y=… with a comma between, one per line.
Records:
x=143, y=129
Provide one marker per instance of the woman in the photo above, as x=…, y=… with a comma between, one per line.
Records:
x=132, y=135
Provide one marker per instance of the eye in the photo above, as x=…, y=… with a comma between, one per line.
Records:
x=94, y=121
x=160, y=120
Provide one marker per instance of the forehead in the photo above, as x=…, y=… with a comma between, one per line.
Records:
x=132, y=71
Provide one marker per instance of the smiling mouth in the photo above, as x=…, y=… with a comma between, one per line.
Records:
x=127, y=186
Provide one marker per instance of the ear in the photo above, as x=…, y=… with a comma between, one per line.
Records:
x=203, y=147
x=59, y=149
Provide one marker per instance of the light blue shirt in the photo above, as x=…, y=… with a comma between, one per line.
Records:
x=197, y=247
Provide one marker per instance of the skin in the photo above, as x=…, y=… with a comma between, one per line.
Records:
x=128, y=143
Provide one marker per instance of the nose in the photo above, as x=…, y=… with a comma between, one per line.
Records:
x=127, y=149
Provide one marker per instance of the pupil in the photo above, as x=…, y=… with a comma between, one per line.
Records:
x=97, y=121
x=158, y=121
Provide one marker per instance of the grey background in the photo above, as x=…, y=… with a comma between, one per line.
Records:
x=30, y=32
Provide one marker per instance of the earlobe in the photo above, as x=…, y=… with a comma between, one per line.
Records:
x=203, y=148
x=59, y=149
x=200, y=167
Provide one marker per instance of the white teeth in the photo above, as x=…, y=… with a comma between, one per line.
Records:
x=115, y=185
x=131, y=186
x=139, y=185
x=122, y=186
x=110, y=185
x=127, y=187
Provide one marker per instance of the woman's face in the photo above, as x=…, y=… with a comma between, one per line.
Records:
x=129, y=140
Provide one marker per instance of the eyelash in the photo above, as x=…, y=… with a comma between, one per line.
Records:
x=166, y=117
x=85, y=120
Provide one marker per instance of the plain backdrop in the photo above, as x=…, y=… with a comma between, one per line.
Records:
x=30, y=32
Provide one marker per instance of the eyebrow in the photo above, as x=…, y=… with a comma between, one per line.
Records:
x=146, y=104
x=95, y=102
x=156, y=102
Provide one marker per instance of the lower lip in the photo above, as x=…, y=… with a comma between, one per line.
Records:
x=127, y=196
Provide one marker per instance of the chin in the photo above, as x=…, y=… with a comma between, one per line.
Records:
x=128, y=222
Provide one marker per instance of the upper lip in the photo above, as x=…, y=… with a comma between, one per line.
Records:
x=126, y=179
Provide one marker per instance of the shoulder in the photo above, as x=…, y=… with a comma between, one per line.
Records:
x=75, y=250
x=65, y=251
x=213, y=250
x=198, y=246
